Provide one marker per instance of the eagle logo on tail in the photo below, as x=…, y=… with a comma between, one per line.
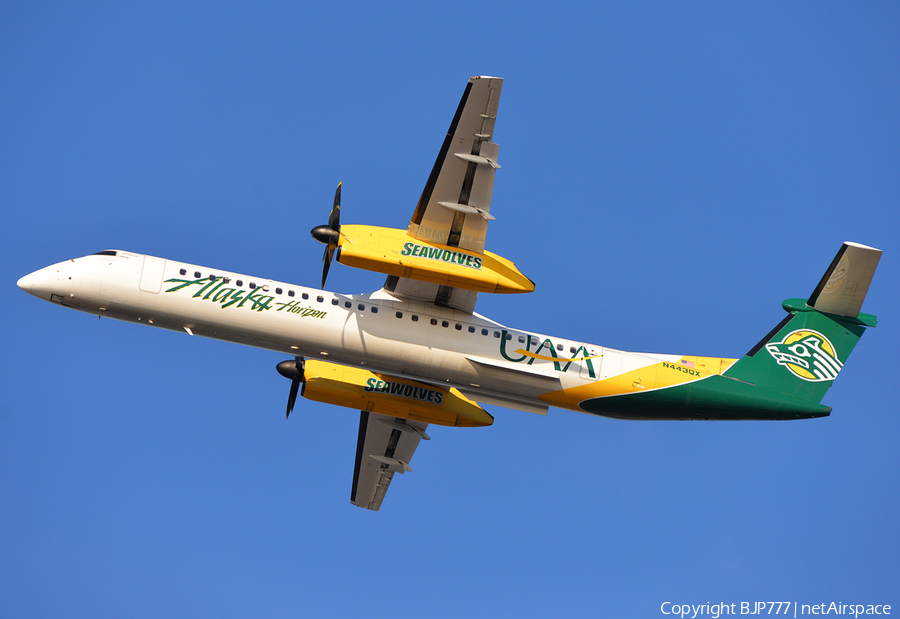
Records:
x=808, y=355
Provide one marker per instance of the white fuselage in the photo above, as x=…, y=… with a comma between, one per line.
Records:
x=401, y=337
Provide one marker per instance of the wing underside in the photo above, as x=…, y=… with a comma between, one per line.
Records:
x=455, y=205
x=453, y=211
x=385, y=446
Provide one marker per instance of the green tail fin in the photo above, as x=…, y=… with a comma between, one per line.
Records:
x=804, y=354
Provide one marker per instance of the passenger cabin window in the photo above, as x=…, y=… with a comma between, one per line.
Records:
x=304, y=295
x=374, y=309
x=414, y=318
x=434, y=321
x=239, y=283
x=278, y=291
x=252, y=285
x=471, y=329
x=399, y=314
x=183, y=271
x=320, y=299
x=197, y=274
x=361, y=307
x=348, y=304
x=334, y=301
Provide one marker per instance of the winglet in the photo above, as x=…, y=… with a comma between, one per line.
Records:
x=843, y=288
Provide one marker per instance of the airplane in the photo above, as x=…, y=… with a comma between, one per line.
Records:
x=415, y=352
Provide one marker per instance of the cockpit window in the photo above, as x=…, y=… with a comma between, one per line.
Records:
x=106, y=252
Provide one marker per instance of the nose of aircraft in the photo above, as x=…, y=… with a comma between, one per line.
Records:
x=43, y=282
x=26, y=282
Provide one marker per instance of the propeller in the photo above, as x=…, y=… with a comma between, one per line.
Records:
x=293, y=369
x=330, y=235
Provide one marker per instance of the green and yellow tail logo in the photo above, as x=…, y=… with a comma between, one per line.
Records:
x=808, y=355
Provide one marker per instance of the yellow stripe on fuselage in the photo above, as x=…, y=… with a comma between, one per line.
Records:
x=556, y=359
x=653, y=376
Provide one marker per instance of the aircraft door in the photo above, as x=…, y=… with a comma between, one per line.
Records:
x=152, y=274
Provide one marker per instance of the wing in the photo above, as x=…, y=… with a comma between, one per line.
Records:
x=455, y=205
x=385, y=446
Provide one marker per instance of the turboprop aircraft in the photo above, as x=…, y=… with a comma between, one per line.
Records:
x=415, y=353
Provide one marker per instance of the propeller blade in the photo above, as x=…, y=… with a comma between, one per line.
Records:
x=334, y=219
x=326, y=259
x=330, y=235
x=293, y=369
x=292, y=396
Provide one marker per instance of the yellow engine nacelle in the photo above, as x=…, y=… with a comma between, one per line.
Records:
x=388, y=395
x=394, y=252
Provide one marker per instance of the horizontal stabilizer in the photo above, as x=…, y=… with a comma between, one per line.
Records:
x=844, y=286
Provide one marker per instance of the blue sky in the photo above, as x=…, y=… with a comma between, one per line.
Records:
x=671, y=173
